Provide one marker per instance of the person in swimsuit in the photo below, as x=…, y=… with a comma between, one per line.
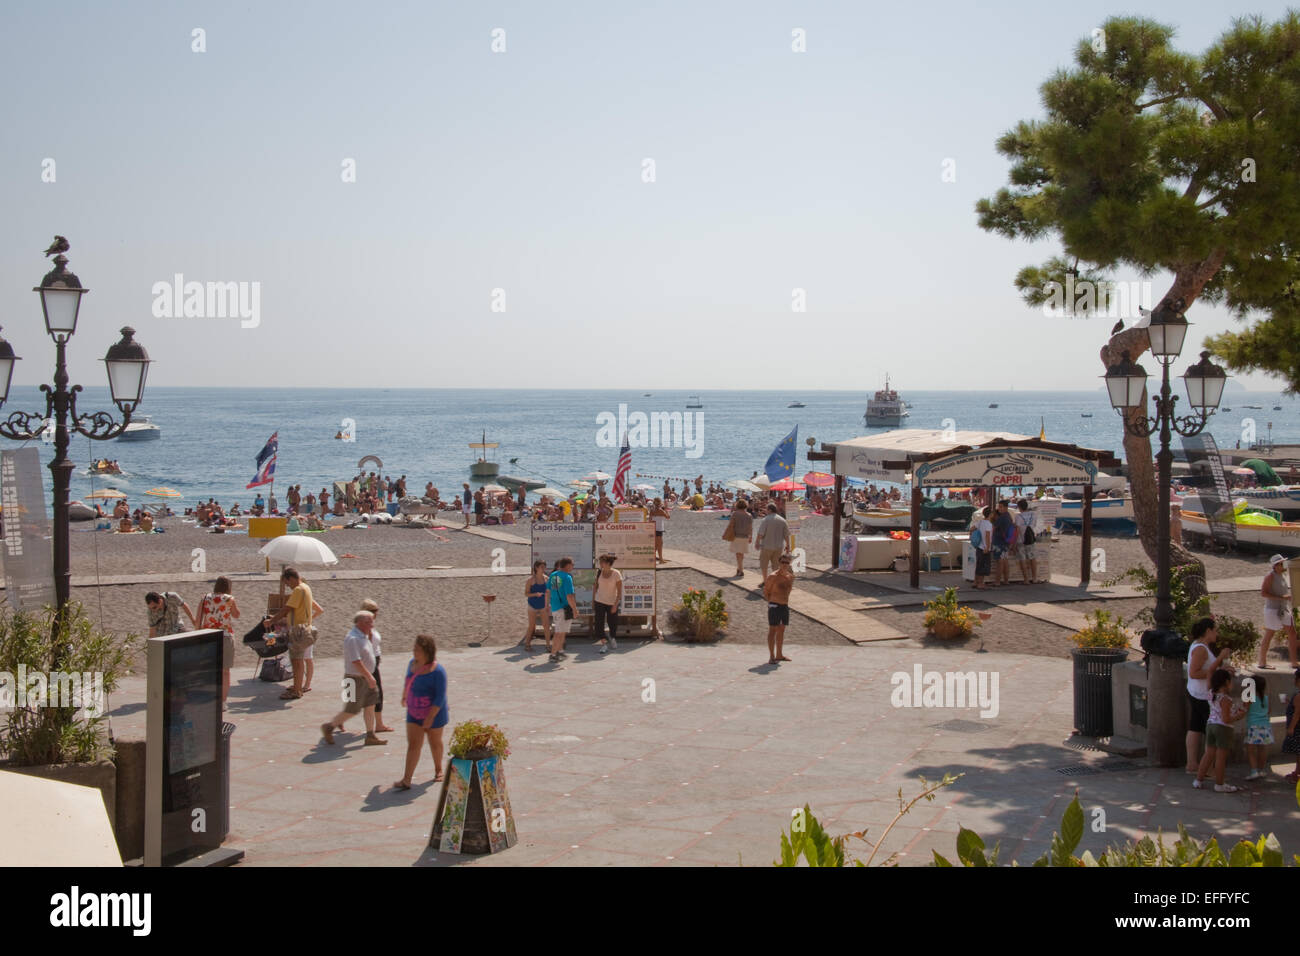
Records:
x=535, y=591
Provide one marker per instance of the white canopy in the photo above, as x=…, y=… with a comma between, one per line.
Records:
x=865, y=457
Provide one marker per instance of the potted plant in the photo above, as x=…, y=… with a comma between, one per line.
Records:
x=1101, y=644
x=700, y=616
x=946, y=619
x=56, y=724
x=474, y=808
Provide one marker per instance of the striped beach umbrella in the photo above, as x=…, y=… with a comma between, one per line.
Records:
x=106, y=493
x=164, y=493
x=818, y=479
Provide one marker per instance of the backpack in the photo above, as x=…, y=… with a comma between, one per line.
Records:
x=1030, y=537
x=274, y=671
x=976, y=539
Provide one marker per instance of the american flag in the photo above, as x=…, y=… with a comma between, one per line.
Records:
x=620, y=473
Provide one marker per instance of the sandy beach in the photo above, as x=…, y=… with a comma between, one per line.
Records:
x=434, y=580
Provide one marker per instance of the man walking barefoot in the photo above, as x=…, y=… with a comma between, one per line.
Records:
x=360, y=690
x=777, y=591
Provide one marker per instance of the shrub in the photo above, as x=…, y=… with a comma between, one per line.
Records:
x=700, y=616
x=35, y=734
x=475, y=735
x=1240, y=636
x=945, y=610
x=1187, y=609
x=1102, y=632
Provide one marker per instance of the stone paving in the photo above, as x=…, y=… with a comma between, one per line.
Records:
x=708, y=772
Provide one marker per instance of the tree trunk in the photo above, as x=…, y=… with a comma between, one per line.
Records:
x=1189, y=280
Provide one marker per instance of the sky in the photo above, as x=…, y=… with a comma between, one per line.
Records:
x=408, y=208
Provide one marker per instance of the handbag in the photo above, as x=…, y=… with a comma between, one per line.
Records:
x=568, y=613
x=729, y=533
x=301, y=637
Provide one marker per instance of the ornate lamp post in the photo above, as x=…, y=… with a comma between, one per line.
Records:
x=1126, y=383
x=127, y=364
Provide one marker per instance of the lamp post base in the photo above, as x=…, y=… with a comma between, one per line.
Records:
x=1166, y=699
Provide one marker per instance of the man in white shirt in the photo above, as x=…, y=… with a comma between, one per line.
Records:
x=360, y=689
x=1027, y=525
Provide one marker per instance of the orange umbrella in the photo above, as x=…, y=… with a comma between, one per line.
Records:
x=818, y=479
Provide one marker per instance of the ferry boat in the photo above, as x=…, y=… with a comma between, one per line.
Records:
x=482, y=467
x=886, y=410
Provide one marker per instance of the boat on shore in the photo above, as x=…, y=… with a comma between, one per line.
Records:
x=886, y=409
x=1108, y=514
x=1284, y=499
x=1255, y=529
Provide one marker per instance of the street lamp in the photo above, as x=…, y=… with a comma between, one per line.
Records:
x=1126, y=384
x=127, y=364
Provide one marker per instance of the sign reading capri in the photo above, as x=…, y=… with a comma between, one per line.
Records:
x=1005, y=465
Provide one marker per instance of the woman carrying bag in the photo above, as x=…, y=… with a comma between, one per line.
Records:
x=739, y=533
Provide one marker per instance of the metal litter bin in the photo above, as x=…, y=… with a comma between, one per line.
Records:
x=1093, y=716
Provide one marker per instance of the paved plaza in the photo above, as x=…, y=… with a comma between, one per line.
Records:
x=709, y=770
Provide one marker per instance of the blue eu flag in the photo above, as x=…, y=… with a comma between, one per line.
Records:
x=780, y=464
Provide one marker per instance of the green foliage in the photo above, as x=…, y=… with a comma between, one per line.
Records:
x=1186, y=851
x=809, y=840
x=1101, y=631
x=1149, y=158
x=700, y=615
x=1240, y=636
x=476, y=735
x=36, y=735
x=807, y=837
x=945, y=610
x=1187, y=608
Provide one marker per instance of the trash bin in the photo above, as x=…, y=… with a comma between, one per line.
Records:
x=1092, y=690
x=223, y=807
x=394, y=508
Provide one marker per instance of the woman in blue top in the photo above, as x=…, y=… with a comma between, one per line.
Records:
x=425, y=698
x=535, y=591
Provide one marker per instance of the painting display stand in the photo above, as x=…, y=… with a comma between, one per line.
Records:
x=474, y=808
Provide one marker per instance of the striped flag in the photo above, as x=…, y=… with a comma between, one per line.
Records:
x=266, y=462
x=620, y=474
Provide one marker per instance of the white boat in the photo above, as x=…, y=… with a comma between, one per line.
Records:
x=796, y=405
x=886, y=410
x=694, y=402
x=883, y=518
x=482, y=467
x=1284, y=537
x=1281, y=498
x=1104, y=510
x=142, y=429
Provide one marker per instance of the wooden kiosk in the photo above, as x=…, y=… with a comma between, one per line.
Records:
x=938, y=459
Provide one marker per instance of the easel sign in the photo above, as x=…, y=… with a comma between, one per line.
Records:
x=639, y=593
x=554, y=540
x=631, y=542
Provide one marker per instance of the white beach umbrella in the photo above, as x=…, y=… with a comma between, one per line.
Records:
x=643, y=487
x=762, y=481
x=495, y=489
x=298, y=549
x=550, y=493
x=584, y=485
x=743, y=484
x=598, y=476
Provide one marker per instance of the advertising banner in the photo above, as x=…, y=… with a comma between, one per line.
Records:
x=29, y=555
x=552, y=541
x=638, y=593
x=632, y=543
x=1005, y=467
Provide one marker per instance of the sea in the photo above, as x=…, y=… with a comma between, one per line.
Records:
x=211, y=436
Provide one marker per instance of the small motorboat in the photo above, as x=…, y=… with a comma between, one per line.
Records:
x=883, y=518
x=1255, y=528
x=142, y=429
x=104, y=466
x=1277, y=408
x=993, y=404
x=483, y=467
x=1085, y=414
x=796, y=405
x=694, y=402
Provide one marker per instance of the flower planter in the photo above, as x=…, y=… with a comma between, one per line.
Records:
x=1093, y=715
x=99, y=774
x=948, y=630
x=474, y=806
